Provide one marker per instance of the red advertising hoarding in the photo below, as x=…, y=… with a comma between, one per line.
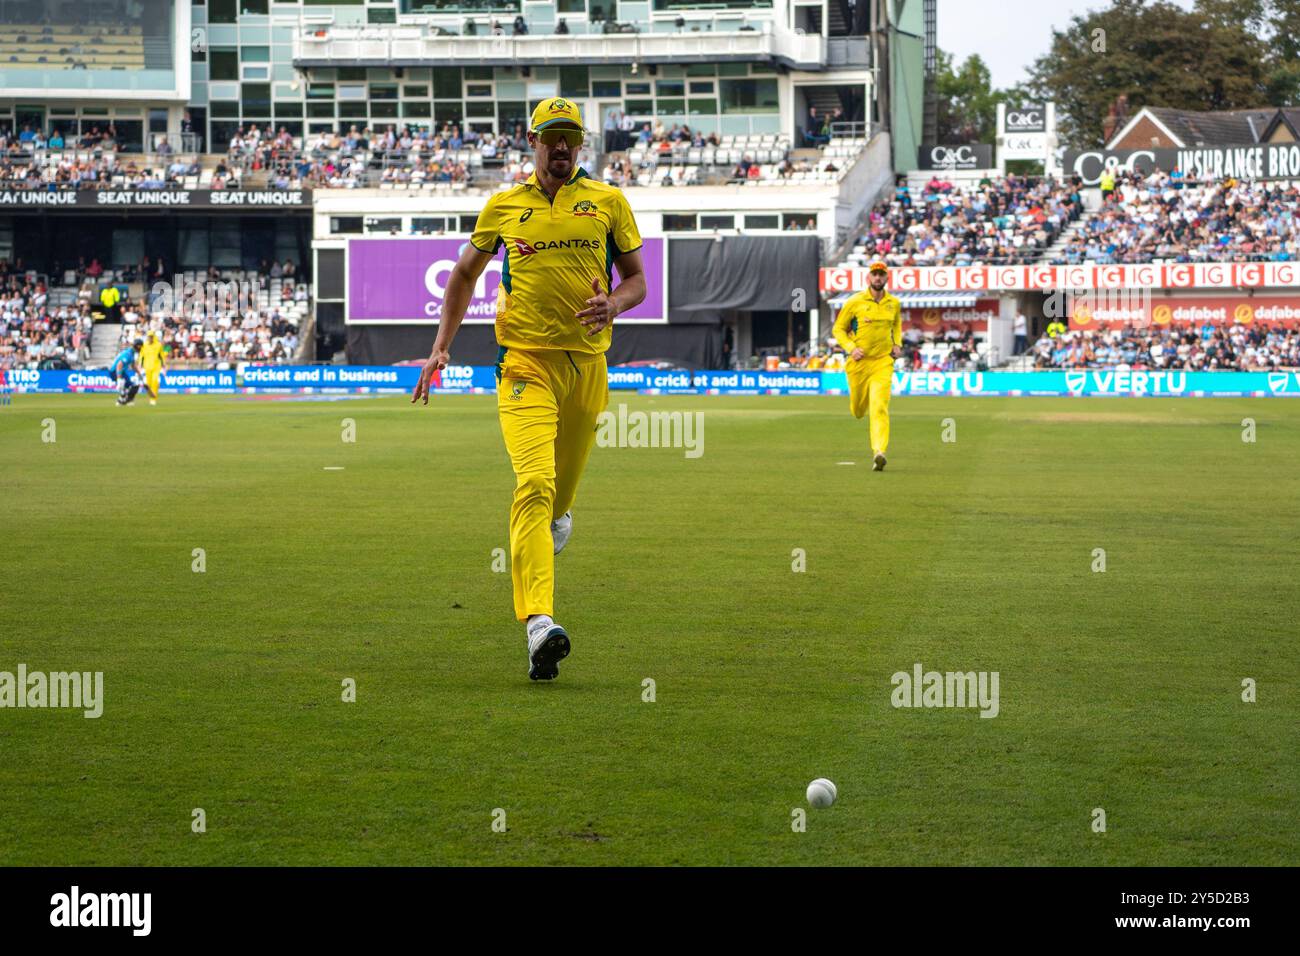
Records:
x=1210, y=275
x=976, y=317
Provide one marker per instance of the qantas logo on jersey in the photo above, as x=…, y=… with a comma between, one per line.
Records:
x=543, y=245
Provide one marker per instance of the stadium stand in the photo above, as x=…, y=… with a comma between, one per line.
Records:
x=82, y=46
x=682, y=157
x=1205, y=348
x=233, y=315
x=1010, y=220
x=1159, y=217
x=241, y=316
x=32, y=330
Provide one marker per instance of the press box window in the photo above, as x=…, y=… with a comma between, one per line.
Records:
x=679, y=222
x=342, y=224
x=717, y=222
x=374, y=224
x=763, y=222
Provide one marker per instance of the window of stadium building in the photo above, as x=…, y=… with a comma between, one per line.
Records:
x=748, y=96
x=223, y=11
x=453, y=6
x=700, y=4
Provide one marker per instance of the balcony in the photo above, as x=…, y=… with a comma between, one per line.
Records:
x=413, y=46
x=848, y=52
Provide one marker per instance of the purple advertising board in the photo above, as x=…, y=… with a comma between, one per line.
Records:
x=402, y=282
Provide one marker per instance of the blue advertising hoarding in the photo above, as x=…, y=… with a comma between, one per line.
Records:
x=1086, y=382
x=98, y=380
x=481, y=379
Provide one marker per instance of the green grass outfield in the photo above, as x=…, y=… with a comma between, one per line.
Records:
x=1119, y=690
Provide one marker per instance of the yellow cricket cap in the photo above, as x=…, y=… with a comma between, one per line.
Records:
x=556, y=111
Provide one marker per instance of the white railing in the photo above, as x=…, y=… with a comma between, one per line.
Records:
x=410, y=44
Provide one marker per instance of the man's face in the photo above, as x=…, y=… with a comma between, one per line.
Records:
x=556, y=157
x=877, y=280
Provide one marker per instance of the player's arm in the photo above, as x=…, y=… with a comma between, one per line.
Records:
x=601, y=308
x=841, y=330
x=896, y=333
x=455, y=301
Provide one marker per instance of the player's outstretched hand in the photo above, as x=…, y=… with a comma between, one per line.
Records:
x=600, y=310
x=437, y=362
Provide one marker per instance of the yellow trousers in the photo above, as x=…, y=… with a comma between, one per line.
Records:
x=548, y=401
x=870, y=380
x=151, y=379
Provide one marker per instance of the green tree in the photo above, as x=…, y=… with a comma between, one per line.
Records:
x=1282, y=36
x=968, y=104
x=1157, y=54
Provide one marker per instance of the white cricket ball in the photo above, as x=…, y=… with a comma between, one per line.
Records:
x=821, y=793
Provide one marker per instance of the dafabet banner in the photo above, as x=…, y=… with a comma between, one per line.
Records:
x=1188, y=310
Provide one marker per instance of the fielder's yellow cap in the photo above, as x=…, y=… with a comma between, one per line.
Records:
x=557, y=111
x=878, y=266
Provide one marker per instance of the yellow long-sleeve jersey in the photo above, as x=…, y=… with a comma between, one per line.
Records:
x=151, y=356
x=875, y=327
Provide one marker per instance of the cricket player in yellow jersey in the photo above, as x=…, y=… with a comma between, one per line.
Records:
x=563, y=234
x=870, y=330
x=152, y=361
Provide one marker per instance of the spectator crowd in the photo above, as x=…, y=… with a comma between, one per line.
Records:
x=31, y=331
x=1159, y=216
x=1011, y=220
x=253, y=316
x=1244, y=348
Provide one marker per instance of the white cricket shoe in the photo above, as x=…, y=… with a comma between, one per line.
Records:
x=561, y=528
x=548, y=644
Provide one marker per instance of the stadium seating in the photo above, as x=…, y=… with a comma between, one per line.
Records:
x=665, y=162
x=1208, y=348
x=261, y=326
x=1159, y=218
x=71, y=46
x=1009, y=220
x=261, y=323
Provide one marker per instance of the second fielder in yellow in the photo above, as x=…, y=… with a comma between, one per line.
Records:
x=870, y=329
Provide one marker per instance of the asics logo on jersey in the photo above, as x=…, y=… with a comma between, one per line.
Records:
x=527, y=214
